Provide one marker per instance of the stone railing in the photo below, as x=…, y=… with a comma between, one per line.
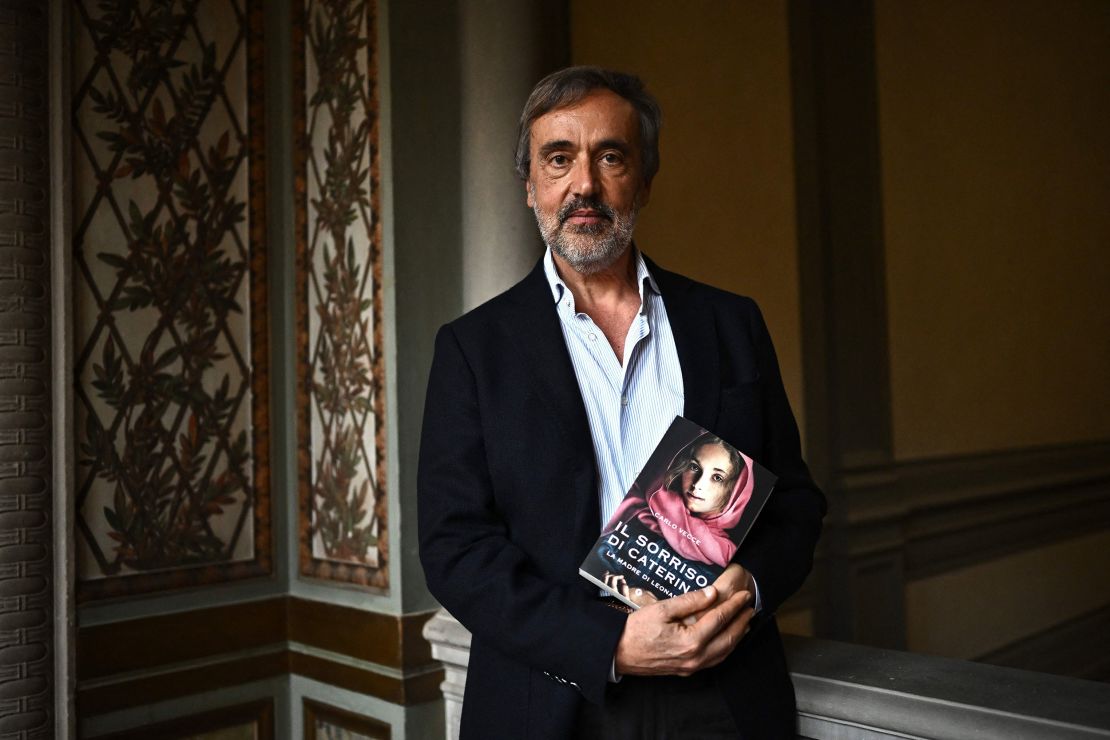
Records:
x=850, y=692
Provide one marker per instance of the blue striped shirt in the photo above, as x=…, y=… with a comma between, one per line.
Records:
x=629, y=403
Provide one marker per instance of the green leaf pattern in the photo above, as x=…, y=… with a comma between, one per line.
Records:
x=169, y=452
x=344, y=492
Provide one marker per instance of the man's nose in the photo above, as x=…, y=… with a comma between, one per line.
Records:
x=585, y=177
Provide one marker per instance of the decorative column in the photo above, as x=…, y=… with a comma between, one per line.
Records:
x=506, y=47
x=450, y=645
x=844, y=318
x=27, y=587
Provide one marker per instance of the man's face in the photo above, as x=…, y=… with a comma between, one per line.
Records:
x=585, y=183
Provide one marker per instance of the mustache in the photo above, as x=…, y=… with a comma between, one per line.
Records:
x=585, y=203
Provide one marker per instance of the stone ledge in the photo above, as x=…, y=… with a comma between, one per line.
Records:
x=853, y=691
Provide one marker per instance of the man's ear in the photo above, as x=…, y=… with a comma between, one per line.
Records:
x=529, y=194
x=645, y=195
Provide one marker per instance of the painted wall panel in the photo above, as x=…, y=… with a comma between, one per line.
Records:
x=341, y=391
x=169, y=295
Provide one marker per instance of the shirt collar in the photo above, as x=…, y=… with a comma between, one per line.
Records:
x=559, y=288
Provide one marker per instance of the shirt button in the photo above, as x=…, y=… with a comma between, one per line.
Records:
x=593, y=337
x=624, y=400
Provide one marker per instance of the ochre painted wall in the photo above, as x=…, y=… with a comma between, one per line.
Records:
x=996, y=196
x=970, y=612
x=796, y=621
x=995, y=184
x=722, y=207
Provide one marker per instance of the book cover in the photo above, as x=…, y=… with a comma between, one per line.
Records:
x=681, y=521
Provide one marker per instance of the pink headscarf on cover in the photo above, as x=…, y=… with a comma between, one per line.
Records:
x=713, y=544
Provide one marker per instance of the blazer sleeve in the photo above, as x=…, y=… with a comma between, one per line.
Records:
x=779, y=549
x=470, y=561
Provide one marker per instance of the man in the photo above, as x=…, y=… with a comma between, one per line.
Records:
x=542, y=406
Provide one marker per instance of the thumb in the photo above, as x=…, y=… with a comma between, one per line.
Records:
x=688, y=604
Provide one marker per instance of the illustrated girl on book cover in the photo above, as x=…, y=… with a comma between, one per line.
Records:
x=677, y=528
x=700, y=498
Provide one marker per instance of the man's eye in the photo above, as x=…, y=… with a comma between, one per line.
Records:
x=611, y=158
x=558, y=159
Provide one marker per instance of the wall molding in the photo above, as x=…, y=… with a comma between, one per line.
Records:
x=61, y=327
x=353, y=725
x=169, y=656
x=258, y=714
x=951, y=513
x=1079, y=647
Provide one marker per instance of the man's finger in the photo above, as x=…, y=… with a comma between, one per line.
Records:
x=679, y=607
x=722, y=594
x=733, y=578
x=720, y=616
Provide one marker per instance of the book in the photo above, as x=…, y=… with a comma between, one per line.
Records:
x=682, y=520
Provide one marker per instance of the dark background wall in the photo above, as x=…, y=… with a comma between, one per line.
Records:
x=915, y=192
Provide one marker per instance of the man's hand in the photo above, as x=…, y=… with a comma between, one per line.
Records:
x=734, y=580
x=658, y=640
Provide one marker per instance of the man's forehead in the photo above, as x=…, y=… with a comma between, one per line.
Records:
x=601, y=110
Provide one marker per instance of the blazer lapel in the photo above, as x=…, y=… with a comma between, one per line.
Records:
x=540, y=339
x=695, y=336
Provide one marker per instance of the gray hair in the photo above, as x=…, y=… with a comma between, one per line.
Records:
x=568, y=86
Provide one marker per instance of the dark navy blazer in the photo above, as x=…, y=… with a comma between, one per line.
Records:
x=508, y=504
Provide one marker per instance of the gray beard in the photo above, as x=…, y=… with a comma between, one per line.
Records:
x=588, y=249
